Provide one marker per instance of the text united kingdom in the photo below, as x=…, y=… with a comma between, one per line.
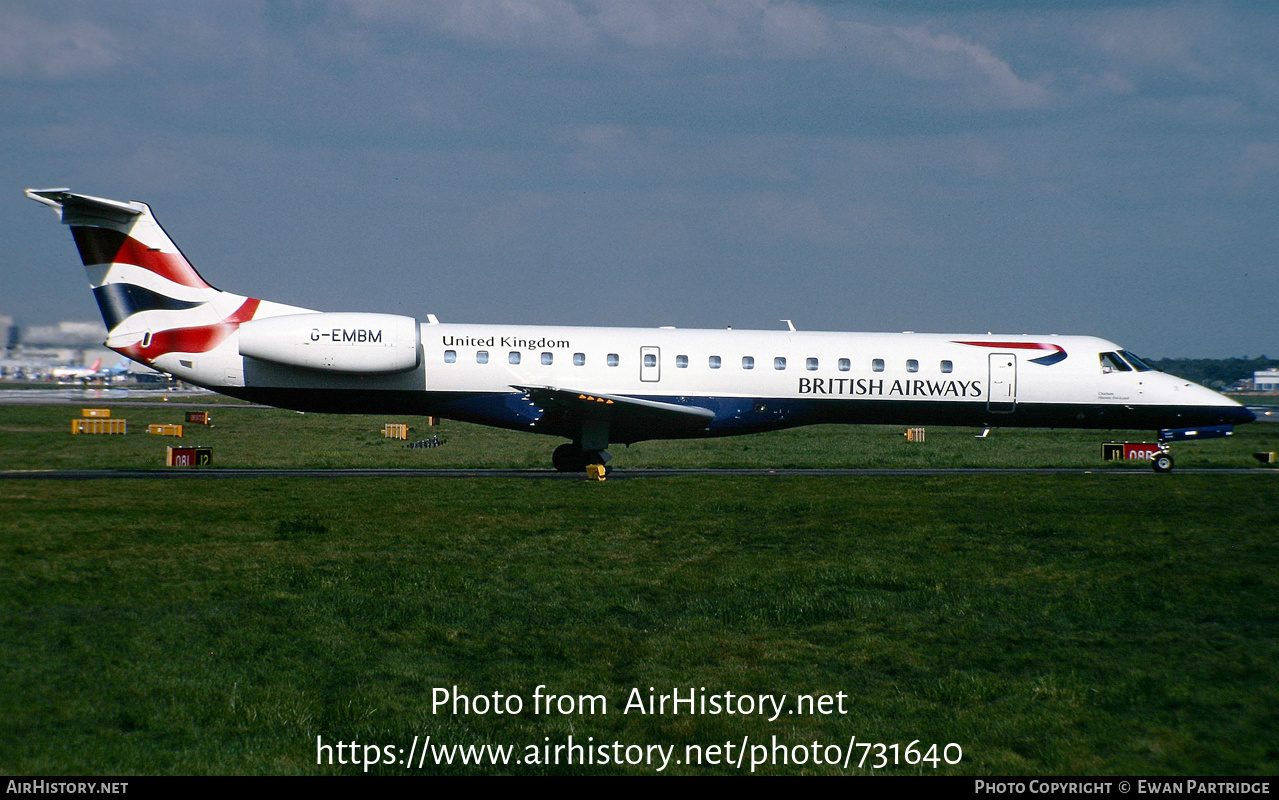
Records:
x=504, y=341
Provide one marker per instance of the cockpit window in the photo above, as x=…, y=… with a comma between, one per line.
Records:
x=1111, y=362
x=1137, y=363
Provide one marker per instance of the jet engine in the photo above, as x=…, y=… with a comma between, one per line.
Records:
x=346, y=342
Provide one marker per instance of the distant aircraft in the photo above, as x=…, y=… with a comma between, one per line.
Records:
x=118, y=369
x=602, y=386
x=77, y=373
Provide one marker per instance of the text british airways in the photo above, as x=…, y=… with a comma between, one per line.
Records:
x=880, y=387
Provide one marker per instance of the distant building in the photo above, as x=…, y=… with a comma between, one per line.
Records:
x=1266, y=380
x=65, y=334
x=8, y=333
x=36, y=349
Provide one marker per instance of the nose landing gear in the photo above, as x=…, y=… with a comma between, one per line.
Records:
x=1162, y=461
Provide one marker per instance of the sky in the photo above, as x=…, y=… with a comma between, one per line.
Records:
x=1035, y=167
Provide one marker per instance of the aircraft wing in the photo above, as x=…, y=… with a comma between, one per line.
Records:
x=629, y=419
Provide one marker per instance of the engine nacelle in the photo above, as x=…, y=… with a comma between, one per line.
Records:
x=347, y=342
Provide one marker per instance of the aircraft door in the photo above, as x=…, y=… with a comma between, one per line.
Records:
x=1001, y=390
x=650, y=364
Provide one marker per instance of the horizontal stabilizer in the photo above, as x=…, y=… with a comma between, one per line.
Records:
x=83, y=209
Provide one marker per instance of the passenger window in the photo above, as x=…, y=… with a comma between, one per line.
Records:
x=779, y=363
x=748, y=362
x=877, y=365
x=1111, y=362
x=811, y=364
x=947, y=366
x=650, y=360
x=450, y=356
x=845, y=365
x=514, y=357
x=612, y=359
x=547, y=358
x=714, y=362
x=482, y=357
x=912, y=365
x=681, y=362
x=579, y=359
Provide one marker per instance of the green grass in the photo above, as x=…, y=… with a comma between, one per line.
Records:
x=1048, y=624
x=38, y=437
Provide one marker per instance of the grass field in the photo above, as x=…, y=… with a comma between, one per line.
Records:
x=1052, y=624
x=38, y=437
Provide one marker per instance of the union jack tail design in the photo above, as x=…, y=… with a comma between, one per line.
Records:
x=152, y=300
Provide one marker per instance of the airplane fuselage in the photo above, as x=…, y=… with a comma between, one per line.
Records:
x=597, y=386
x=753, y=380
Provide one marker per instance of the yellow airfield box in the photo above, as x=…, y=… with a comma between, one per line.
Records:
x=99, y=425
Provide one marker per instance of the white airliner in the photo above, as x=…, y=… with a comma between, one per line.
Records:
x=600, y=386
x=78, y=373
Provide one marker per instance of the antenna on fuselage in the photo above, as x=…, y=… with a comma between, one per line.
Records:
x=789, y=324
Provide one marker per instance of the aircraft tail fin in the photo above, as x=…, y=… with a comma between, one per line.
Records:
x=151, y=298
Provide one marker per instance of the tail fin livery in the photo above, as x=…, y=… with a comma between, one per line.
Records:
x=151, y=298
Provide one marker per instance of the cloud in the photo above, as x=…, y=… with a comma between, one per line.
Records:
x=950, y=60
x=690, y=32
x=720, y=27
x=1258, y=163
x=768, y=216
x=39, y=49
x=1155, y=38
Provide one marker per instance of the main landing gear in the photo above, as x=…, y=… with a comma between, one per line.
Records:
x=572, y=458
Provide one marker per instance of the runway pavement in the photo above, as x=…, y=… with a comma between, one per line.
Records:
x=151, y=398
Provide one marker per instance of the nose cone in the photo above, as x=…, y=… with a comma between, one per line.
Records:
x=1239, y=415
x=1206, y=406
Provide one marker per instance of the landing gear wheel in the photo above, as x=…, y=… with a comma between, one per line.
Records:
x=572, y=458
x=1162, y=462
x=569, y=458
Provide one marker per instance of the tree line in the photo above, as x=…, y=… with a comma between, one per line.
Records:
x=1213, y=372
